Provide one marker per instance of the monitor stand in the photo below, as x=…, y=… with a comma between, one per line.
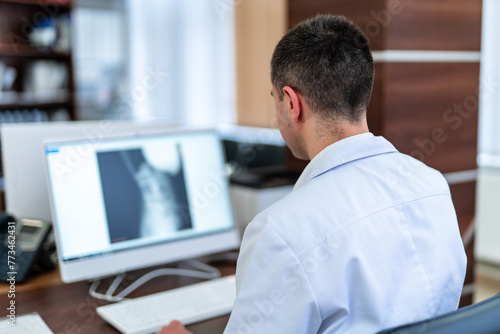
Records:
x=199, y=270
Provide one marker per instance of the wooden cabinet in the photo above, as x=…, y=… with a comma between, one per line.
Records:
x=36, y=72
x=36, y=69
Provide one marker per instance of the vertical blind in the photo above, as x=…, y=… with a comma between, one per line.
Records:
x=181, y=60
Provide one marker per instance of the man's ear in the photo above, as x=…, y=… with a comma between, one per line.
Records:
x=292, y=103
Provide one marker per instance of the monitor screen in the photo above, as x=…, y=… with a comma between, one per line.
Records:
x=135, y=201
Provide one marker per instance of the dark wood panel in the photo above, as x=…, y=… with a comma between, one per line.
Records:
x=375, y=111
x=404, y=24
x=435, y=25
x=467, y=299
x=361, y=12
x=431, y=112
x=464, y=198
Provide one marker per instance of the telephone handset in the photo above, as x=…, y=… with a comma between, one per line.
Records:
x=22, y=247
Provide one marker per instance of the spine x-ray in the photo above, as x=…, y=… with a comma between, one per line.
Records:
x=144, y=192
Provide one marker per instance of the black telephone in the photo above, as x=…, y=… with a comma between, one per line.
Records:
x=23, y=247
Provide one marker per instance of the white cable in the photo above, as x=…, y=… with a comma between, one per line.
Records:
x=206, y=271
x=115, y=284
x=162, y=272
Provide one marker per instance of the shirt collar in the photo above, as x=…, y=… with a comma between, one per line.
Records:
x=342, y=152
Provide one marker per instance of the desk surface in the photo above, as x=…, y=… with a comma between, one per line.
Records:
x=69, y=309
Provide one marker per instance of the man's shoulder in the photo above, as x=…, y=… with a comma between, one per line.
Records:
x=336, y=198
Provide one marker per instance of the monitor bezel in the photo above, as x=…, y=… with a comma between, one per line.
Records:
x=114, y=263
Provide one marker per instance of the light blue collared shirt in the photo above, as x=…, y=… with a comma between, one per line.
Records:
x=368, y=239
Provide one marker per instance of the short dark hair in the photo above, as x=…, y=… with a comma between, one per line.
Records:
x=327, y=59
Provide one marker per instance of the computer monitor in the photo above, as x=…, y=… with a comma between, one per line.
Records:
x=136, y=201
x=26, y=194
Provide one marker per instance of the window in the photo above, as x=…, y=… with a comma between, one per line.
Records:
x=156, y=59
x=99, y=57
x=181, y=61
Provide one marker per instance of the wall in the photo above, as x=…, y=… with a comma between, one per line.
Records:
x=259, y=24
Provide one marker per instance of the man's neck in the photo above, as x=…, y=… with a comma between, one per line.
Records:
x=317, y=141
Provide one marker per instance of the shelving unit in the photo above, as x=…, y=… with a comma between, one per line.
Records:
x=61, y=3
x=36, y=70
x=32, y=52
x=41, y=68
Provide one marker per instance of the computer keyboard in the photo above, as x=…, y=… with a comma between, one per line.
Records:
x=189, y=304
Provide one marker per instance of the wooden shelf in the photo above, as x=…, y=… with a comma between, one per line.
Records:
x=60, y=3
x=23, y=101
x=42, y=105
x=31, y=52
x=18, y=53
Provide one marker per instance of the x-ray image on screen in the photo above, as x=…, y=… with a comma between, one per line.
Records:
x=144, y=192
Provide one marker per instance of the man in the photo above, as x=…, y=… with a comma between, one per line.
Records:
x=368, y=239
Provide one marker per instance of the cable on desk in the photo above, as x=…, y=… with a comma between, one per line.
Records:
x=204, y=271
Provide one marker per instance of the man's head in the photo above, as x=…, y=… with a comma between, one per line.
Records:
x=326, y=62
x=327, y=59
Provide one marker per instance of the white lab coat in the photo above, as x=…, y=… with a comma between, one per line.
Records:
x=368, y=239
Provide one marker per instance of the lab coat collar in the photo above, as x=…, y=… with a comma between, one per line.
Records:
x=342, y=152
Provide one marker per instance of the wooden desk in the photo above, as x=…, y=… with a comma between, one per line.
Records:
x=69, y=309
